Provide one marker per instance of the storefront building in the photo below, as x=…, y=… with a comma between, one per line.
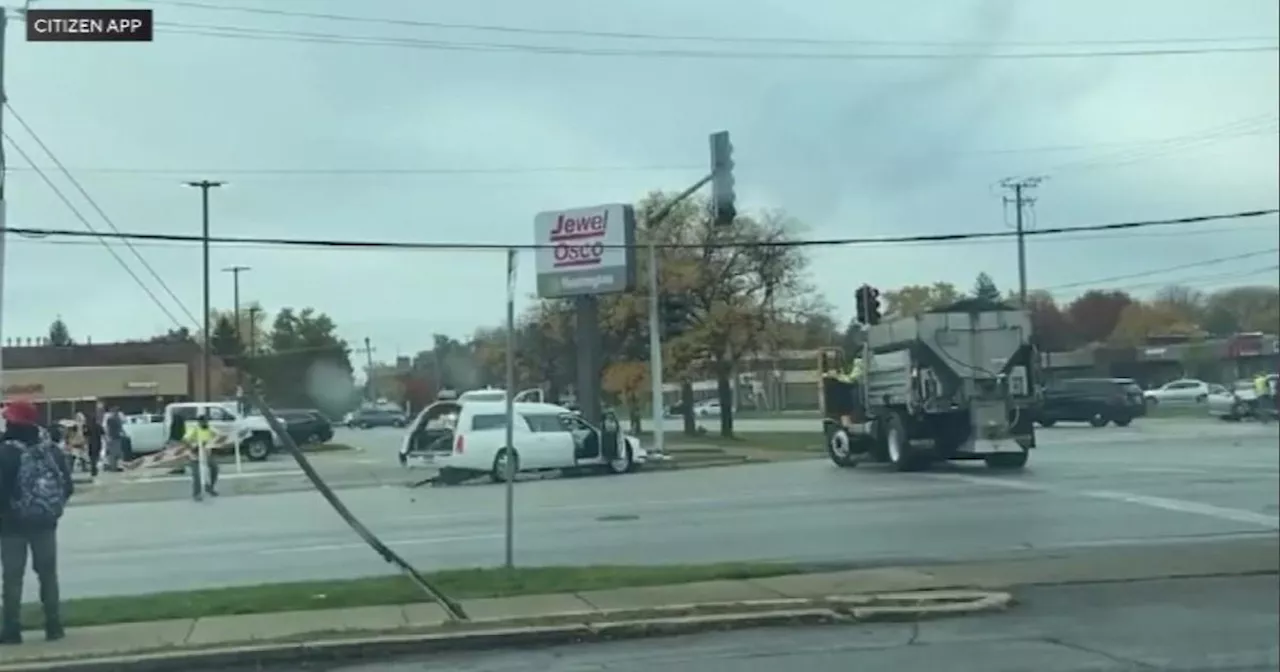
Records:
x=135, y=377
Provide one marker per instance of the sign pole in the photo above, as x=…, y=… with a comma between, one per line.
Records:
x=510, y=562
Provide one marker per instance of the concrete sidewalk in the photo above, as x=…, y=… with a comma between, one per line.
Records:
x=787, y=594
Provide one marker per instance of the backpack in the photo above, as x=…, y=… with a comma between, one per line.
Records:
x=40, y=492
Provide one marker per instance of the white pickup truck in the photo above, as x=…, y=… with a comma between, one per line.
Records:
x=251, y=431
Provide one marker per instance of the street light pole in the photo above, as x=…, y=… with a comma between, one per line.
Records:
x=235, y=272
x=206, y=356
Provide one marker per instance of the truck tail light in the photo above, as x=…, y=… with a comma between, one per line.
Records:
x=458, y=445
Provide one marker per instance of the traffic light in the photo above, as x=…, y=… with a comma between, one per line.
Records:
x=724, y=207
x=867, y=305
x=873, y=306
x=676, y=315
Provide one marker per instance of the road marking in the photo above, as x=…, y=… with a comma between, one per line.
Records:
x=1162, y=503
x=323, y=548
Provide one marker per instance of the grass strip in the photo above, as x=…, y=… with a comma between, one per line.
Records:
x=460, y=584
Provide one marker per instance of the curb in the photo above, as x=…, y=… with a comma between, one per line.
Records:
x=559, y=629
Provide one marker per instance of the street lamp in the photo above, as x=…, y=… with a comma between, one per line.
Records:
x=235, y=272
x=207, y=362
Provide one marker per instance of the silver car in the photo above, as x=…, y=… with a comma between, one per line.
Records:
x=1232, y=403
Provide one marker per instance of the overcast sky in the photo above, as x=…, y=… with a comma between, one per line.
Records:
x=851, y=147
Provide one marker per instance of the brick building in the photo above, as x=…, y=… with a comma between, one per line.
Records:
x=136, y=376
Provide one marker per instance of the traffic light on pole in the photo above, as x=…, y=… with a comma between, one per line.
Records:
x=675, y=314
x=724, y=207
x=873, y=306
x=860, y=303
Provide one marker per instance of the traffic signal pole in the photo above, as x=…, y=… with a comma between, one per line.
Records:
x=655, y=312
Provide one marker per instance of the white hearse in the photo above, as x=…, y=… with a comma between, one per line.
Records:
x=469, y=436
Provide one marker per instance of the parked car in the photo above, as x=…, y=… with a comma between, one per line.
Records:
x=707, y=409
x=366, y=418
x=469, y=436
x=1096, y=401
x=1185, y=392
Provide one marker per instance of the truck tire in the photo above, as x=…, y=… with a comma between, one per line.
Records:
x=1048, y=423
x=840, y=448
x=1007, y=461
x=898, y=446
x=1098, y=420
x=257, y=448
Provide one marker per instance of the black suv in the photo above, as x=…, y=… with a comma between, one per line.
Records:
x=1096, y=401
x=307, y=425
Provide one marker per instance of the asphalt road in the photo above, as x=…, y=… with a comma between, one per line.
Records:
x=1185, y=625
x=1081, y=489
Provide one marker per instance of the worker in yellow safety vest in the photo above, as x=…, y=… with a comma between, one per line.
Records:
x=201, y=434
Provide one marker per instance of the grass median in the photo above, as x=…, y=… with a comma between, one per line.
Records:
x=459, y=584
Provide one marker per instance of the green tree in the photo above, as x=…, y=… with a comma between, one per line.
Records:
x=913, y=300
x=984, y=289
x=59, y=335
x=224, y=342
x=740, y=281
x=307, y=363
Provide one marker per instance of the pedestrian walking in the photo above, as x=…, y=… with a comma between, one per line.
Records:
x=93, y=441
x=200, y=437
x=35, y=484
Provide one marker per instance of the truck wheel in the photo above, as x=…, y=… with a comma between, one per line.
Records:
x=1048, y=423
x=840, y=449
x=898, y=446
x=257, y=448
x=1098, y=420
x=1007, y=460
x=1122, y=421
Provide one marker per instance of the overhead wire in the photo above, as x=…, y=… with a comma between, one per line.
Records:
x=482, y=246
x=96, y=208
x=92, y=231
x=349, y=171
x=312, y=37
x=1167, y=269
x=672, y=37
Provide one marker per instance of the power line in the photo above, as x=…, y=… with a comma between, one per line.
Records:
x=92, y=203
x=271, y=35
x=1194, y=279
x=1167, y=269
x=102, y=238
x=827, y=242
x=1260, y=124
x=1062, y=238
x=378, y=171
x=670, y=37
x=549, y=170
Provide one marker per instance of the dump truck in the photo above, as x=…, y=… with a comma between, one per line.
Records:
x=956, y=383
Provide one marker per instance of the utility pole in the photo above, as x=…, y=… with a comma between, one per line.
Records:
x=235, y=272
x=1020, y=201
x=253, y=329
x=4, y=171
x=207, y=358
x=368, y=354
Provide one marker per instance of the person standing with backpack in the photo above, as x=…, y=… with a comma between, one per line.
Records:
x=35, y=484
